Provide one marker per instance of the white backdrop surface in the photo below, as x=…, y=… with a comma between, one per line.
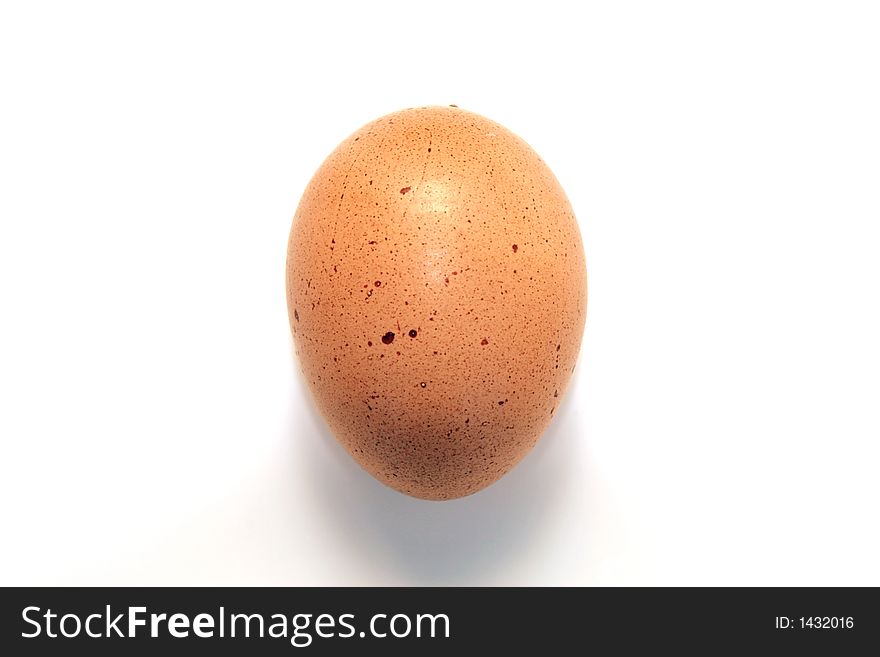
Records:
x=723, y=160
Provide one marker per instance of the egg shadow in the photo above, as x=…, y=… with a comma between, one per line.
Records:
x=399, y=540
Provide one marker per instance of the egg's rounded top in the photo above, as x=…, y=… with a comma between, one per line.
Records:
x=437, y=295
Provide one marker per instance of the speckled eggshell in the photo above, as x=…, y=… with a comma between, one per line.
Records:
x=436, y=289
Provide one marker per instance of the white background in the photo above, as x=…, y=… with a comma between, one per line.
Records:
x=724, y=163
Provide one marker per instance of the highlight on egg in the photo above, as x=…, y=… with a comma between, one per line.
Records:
x=436, y=289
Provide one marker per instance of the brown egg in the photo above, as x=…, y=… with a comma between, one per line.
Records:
x=436, y=288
